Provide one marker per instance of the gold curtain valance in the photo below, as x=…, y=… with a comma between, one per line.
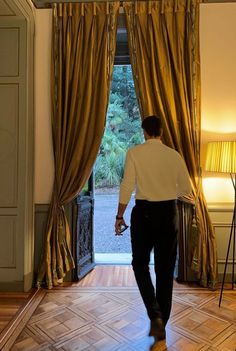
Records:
x=49, y=3
x=82, y=9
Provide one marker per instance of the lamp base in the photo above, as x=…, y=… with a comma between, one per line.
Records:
x=232, y=235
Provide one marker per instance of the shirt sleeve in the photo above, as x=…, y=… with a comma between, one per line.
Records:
x=129, y=180
x=183, y=181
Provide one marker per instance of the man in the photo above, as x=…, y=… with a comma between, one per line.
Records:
x=159, y=176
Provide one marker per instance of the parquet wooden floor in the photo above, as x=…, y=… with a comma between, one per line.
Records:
x=113, y=318
x=10, y=304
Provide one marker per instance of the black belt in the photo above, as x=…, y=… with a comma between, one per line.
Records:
x=146, y=202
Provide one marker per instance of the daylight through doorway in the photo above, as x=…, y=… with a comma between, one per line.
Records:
x=122, y=132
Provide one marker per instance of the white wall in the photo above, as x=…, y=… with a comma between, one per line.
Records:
x=44, y=163
x=218, y=71
x=218, y=57
x=218, y=77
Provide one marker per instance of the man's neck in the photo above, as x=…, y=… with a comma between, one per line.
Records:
x=152, y=137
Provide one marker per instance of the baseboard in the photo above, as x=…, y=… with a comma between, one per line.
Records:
x=228, y=278
x=12, y=286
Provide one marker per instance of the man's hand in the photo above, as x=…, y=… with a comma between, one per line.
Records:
x=120, y=226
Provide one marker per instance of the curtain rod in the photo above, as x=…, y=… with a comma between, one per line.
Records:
x=48, y=3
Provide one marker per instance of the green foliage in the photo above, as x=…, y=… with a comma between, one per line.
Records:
x=122, y=129
x=108, y=170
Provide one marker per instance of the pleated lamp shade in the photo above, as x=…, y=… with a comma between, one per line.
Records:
x=221, y=157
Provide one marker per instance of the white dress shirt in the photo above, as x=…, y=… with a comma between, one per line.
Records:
x=156, y=173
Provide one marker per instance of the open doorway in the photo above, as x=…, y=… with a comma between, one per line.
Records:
x=122, y=132
x=94, y=209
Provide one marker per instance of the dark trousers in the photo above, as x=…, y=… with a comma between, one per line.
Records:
x=154, y=226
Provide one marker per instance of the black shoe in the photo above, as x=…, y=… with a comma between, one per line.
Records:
x=157, y=329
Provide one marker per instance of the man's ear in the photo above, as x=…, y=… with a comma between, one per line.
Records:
x=145, y=134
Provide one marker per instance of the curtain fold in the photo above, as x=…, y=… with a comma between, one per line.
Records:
x=164, y=48
x=83, y=49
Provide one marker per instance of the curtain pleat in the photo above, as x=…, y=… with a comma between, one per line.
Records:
x=164, y=48
x=83, y=50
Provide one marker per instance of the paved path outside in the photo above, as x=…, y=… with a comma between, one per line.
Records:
x=105, y=209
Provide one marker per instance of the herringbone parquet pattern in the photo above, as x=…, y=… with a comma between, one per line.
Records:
x=114, y=319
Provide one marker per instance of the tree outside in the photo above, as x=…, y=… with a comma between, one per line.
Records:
x=122, y=129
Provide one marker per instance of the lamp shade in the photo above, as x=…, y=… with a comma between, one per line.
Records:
x=221, y=157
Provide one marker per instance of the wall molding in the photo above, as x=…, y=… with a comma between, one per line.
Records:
x=221, y=215
x=220, y=206
x=18, y=14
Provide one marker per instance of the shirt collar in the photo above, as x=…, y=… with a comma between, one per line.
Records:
x=154, y=141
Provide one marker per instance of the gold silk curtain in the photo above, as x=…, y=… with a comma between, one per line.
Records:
x=83, y=49
x=164, y=48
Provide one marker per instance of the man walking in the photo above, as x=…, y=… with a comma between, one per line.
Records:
x=159, y=176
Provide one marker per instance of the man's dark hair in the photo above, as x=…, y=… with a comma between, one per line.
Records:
x=152, y=126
